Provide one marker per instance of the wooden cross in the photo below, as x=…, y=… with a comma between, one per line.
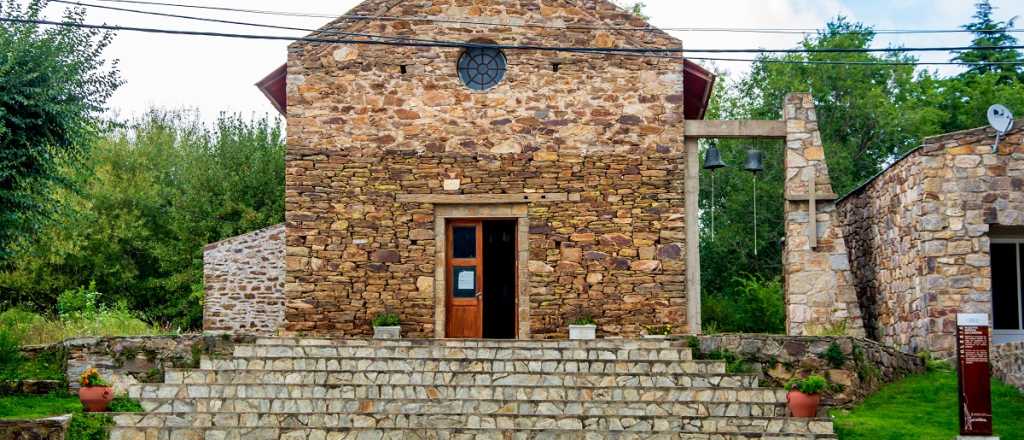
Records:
x=812, y=208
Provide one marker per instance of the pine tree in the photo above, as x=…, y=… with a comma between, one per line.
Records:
x=989, y=32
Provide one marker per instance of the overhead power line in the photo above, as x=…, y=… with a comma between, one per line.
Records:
x=399, y=41
x=356, y=34
x=413, y=42
x=540, y=25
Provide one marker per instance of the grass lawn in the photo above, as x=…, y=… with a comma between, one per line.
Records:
x=924, y=407
x=34, y=407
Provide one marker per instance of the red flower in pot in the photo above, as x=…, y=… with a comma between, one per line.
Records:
x=805, y=395
x=95, y=393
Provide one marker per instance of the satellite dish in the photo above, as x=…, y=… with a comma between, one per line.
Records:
x=1002, y=120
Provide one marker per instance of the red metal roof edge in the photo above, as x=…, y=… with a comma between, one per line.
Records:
x=709, y=87
x=275, y=80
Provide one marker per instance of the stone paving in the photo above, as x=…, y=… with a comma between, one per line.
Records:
x=286, y=388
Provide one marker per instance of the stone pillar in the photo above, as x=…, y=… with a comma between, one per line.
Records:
x=819, y=289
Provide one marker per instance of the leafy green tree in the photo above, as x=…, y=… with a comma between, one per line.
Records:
x=149, y=198
x=989, y=32
x=53, y=85
x=964, y=99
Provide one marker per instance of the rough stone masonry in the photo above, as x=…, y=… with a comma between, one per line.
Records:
x=243, y=278
x=919, y=235
x=369, y=123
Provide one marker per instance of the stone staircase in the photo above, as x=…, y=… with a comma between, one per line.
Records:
x=289, y=388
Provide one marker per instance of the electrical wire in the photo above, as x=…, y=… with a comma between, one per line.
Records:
x=543, y=25
x=403, y=41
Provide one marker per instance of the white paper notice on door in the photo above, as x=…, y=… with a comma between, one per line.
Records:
x=465, y=281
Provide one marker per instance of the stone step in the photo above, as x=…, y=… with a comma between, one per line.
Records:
x=613, y=343
x=773, y=425
x=458, y=406
x=121, y=433
x=227, y=377
x=453, y=365
x=582, y=352
x=462, y=392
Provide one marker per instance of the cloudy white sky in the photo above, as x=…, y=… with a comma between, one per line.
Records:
x=214, y=75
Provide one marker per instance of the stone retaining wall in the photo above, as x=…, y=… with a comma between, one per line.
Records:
x=243, y=278
x=1008, y=363
x=43, y=429
x=129, y=360
x=866, y=365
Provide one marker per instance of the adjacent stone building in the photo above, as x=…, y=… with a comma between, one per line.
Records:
x=243, y=278
x=939, y=233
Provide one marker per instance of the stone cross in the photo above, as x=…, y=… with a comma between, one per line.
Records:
x=812, y=197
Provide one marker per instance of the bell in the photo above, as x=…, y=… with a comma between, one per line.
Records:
x=754, y=161
x=713, y=159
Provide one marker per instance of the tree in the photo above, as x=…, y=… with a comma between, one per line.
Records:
x=53, y=86
x=146, y=200
x=989, y=32
x=964, y=99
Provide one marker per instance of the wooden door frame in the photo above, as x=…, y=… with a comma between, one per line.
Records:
x=494, y=211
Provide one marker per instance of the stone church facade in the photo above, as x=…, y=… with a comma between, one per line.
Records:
x=574, y=160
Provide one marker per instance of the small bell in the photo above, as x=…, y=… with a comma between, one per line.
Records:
x=713, y=159
x=755, y=161
x=712, y=162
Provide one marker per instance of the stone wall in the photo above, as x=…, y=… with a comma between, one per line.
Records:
x=866, y=365
x=1008, y=363
x=369, y=123
x=243, y=278
x=52, y=428
x=134, y=359
x=919, y=235
x=819, y=288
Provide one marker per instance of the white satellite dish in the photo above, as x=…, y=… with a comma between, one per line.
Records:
x=1002, y=120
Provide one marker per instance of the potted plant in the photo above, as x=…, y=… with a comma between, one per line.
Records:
x=95, y=393
x=583, y=327
x=805, y=395
x=657, y=331
x=386, y=326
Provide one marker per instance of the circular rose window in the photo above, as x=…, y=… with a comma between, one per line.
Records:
x=481, y=68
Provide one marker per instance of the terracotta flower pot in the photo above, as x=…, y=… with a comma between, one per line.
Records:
x=803, y=405
x=95, y=399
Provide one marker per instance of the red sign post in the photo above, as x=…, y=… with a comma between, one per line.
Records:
x=972, y=340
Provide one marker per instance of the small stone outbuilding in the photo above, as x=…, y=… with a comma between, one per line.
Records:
x=937, y=233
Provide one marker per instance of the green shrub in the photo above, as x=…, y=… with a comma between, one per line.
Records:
x=812, y=384
x=834, y=355
x=388, y=319
x=123, y=403
x=660, y=329
x=749, y=304
x=89, y=426
x=10, y=350
x=583, y=320
x=79, y=302
x=30, y=328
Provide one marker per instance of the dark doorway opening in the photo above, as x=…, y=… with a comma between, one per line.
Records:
x=499, y=284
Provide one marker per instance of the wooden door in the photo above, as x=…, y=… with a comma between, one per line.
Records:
x=464, y=279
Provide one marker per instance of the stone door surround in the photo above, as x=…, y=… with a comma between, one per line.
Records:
x=517, y=211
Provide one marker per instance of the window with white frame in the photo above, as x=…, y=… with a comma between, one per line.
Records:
x=1007, y=305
